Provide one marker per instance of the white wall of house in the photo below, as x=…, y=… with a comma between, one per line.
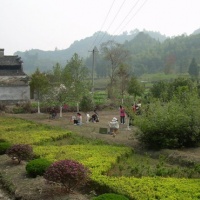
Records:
x=15, y=93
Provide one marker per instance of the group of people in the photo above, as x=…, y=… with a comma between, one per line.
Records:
x=78, y=118
x=113, y=124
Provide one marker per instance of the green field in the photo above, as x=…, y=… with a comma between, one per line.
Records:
x=105, y=162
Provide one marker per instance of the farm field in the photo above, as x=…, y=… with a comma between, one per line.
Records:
x=100, y=148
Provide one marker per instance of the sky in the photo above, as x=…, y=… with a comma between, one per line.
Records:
x=55, y=24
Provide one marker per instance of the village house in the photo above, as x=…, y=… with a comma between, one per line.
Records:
x=14, y=86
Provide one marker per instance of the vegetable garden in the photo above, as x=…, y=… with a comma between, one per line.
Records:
x=100, y=159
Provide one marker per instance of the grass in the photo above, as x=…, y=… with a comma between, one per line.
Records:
x=143, y=165
x=161, y=77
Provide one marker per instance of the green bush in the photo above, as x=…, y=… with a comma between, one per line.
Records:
x=170, y=125
x=20, y=152
x=4, y=146
x=37, y=167
x=86, y=104
x=110, y=196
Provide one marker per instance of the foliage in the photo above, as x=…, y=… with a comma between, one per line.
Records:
x=115, y=54
x=26, y=132
x=134, y=87
x=39, y=83
x=20, y=152
x=75, y=74
x=69, y=173
x=151, y=187
x=87, y=104
x=193, y=69
x=170, y=125
x=98, y=158
x=100, y=97
x=159, y=90
x=160, y=164
x=110, y=196
x=22, y=108
x=4, y=145
x=37, y=167
x=165, y=91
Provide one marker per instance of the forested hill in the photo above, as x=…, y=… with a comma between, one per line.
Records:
x=150, y=52
x=45, y=60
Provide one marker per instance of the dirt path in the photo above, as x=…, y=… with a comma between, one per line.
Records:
x=89, y=130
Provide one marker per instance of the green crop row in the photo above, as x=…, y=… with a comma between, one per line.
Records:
x=18, y=131
x=152, y=188
x=99, y=159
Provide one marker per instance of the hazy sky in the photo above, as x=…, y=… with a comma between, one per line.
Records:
x=50, y=24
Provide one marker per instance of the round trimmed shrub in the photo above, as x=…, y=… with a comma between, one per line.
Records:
x=37, y=167
x=110, y=196
x=20, y=152
x=70, y=174
x=4, y=146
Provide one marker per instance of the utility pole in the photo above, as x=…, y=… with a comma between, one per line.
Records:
x=93, y=66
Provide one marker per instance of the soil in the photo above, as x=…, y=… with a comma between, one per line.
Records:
x=32, y=189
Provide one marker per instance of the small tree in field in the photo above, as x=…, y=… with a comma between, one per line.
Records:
x=68, y=173
x=86, y=104
x=193, y=69
x=20, y=152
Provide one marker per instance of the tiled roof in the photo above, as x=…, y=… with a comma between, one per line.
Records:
x=11, y=66
x=12, y=73
x=10, y=60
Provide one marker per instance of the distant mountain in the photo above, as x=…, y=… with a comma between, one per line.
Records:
x=196, y=32
x=45, y=60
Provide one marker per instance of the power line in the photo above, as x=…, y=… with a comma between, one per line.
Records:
x=112, y=21
x=133, y=16
x=103, y=23
x=126, y=16
x=122, y=22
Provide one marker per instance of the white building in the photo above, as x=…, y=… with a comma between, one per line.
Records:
x=14, y=86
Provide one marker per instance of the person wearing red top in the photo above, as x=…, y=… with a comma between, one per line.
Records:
x=122, y=114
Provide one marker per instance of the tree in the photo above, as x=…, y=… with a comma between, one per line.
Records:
x=193, y=69
x=134, y=87
x=87, y=103
x=57, y=75
x=123, y=74
x=58, y=94
x=160, y=90
x=39, y=85
x=115, y=54
x=75, y=75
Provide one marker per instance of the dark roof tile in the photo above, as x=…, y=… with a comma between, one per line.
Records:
x=10, y=60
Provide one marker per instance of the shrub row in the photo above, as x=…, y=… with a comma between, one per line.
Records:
x=20, y=131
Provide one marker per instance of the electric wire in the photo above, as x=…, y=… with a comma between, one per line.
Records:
x=103, y=24
x=132, y=16
x=126, y=16
x=111, y=22
x=114, y=36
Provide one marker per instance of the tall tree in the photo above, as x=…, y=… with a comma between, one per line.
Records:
x=115, y=54
x=75, y=75
x=193, y=69
x=39, y=85
x=123, y=75
x=135, y=88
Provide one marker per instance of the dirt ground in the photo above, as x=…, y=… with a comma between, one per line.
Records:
x=32, y=189
x=89, y=130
